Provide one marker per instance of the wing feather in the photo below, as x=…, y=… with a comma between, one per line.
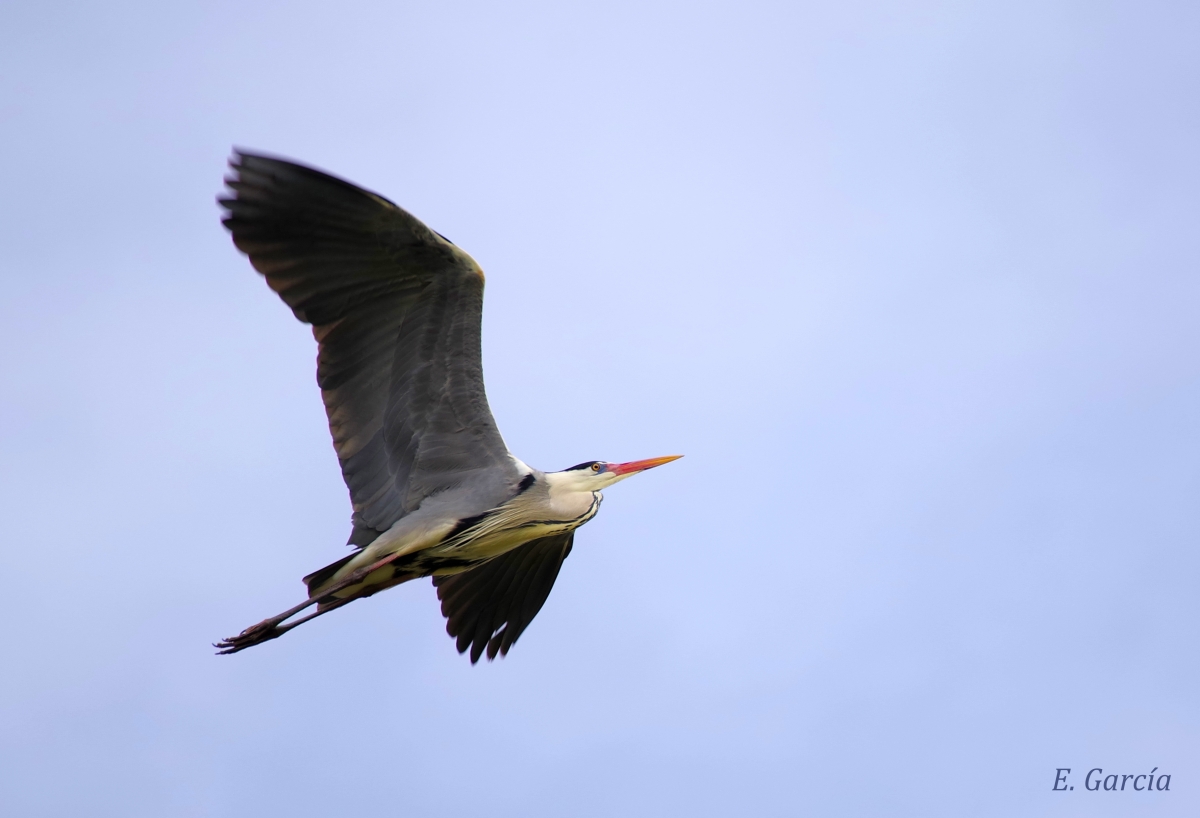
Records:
x=396, y=310
x=490, y=606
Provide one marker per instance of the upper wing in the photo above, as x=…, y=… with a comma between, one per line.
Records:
x=396, y=311
x=489, y=606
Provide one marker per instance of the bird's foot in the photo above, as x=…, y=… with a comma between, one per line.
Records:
x=255, y=634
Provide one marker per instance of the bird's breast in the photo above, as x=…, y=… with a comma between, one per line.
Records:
x=505, y=532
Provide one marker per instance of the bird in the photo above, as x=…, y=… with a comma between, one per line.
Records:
x=395, y=308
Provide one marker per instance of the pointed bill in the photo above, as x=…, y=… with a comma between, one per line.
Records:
x=635, y=466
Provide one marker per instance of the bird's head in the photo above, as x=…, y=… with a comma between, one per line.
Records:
x=597, y=474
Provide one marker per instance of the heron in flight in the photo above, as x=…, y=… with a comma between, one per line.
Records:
x=395, y=309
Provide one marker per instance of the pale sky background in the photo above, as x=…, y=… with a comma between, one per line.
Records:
x=914, y=286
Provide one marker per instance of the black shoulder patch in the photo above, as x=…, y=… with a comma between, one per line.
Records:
x=464, y=524
x=526, y=481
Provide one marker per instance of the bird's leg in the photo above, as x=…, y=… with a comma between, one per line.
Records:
x=273, y=627
x=270, y=629
x=264, y=631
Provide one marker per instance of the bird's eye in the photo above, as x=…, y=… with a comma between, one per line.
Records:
x=596, y=467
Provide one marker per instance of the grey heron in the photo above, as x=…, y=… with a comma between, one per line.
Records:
x=395, y=308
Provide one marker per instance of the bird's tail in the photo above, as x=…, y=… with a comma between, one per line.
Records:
x=322, y=575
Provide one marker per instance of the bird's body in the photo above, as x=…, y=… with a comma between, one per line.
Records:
x=435, y=540
x=396, y=309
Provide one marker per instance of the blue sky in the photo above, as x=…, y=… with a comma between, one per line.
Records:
x=913, y=286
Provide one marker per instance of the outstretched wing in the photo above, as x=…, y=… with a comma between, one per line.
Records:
x=489, y=606
x=396, y=310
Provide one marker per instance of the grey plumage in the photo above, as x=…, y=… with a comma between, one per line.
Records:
x=396, y=312
x=395, y=309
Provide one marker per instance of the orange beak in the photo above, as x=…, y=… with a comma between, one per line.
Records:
x=641, y=465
